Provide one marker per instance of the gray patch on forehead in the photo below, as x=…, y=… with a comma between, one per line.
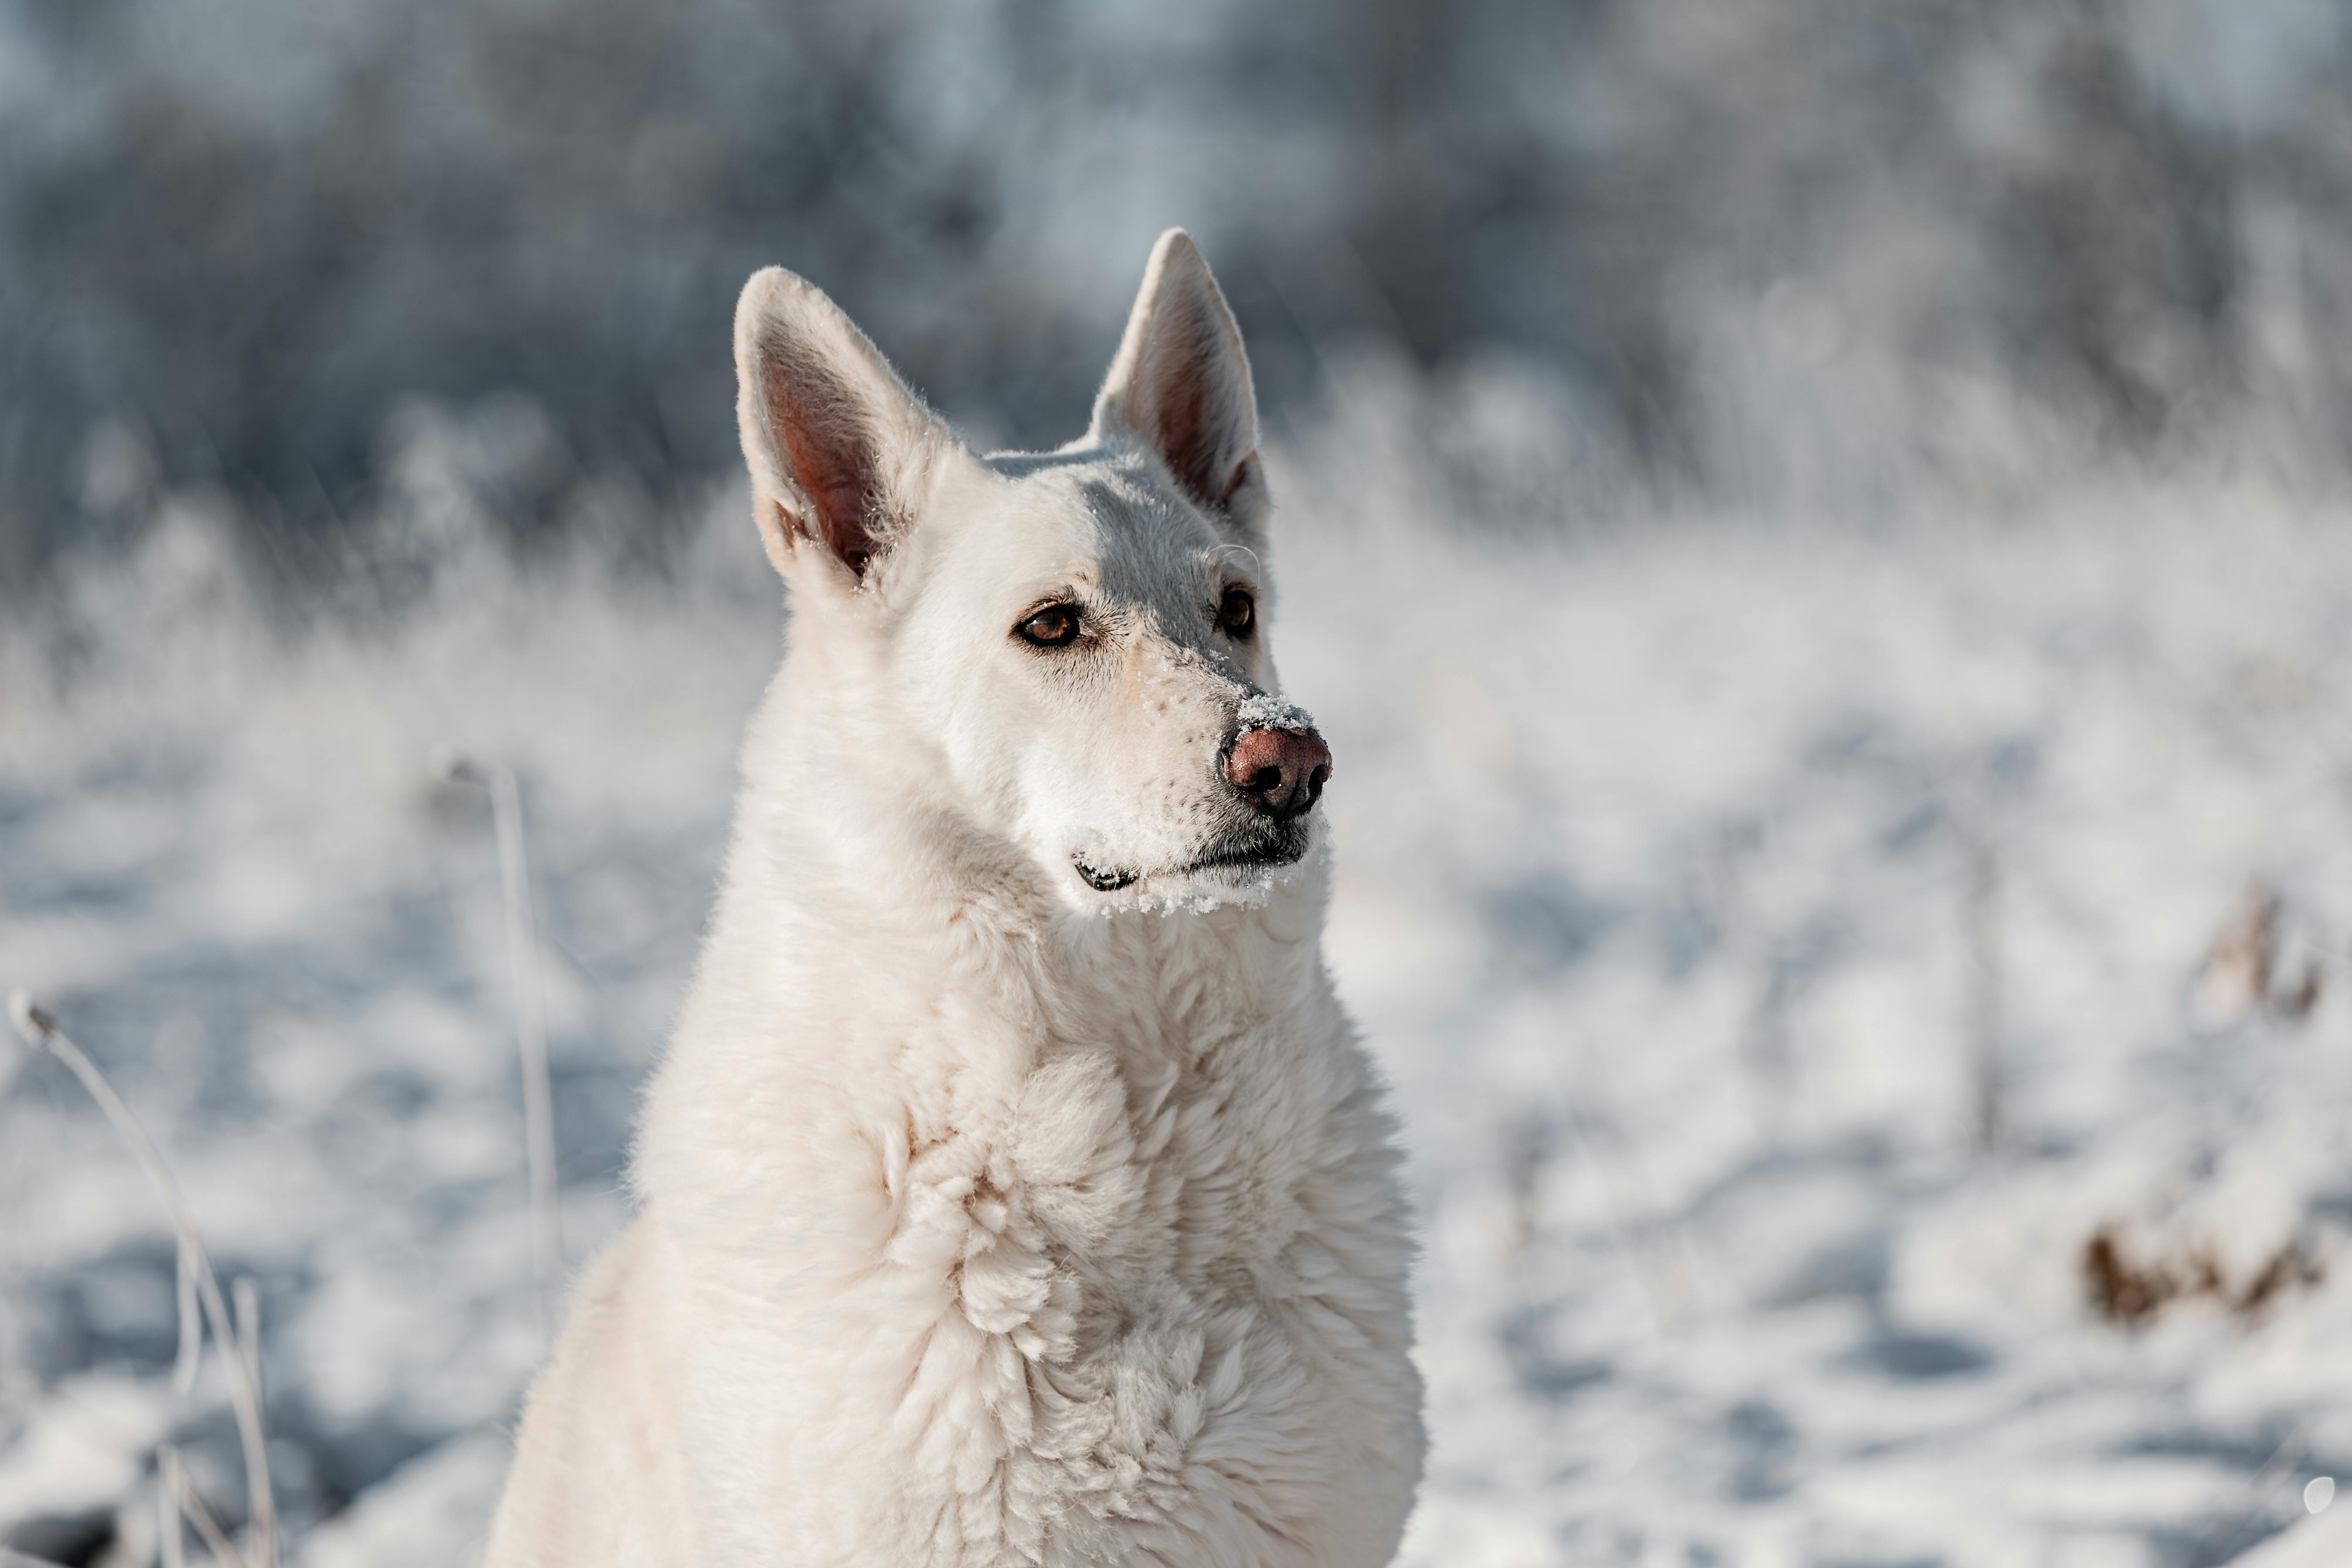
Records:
x=1153, y=549
x=1127, y=491
x=1021, y=465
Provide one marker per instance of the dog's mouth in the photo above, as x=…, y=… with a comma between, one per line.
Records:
x=1268, y=849
x=1104, y=879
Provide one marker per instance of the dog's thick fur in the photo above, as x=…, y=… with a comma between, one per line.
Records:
x=1015, y=1190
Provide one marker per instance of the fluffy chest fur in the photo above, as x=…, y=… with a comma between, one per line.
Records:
x=1072, y=1244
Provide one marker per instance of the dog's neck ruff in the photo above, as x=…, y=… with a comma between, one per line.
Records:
x=1094, y=1190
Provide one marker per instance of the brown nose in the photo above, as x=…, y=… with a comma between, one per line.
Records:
x=1282, y=771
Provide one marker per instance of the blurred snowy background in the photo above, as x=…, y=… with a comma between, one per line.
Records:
x=1818, y=531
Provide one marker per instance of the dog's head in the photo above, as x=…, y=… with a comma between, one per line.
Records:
x=1066, y=650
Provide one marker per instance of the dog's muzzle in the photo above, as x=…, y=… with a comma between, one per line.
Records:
x=1279, y=775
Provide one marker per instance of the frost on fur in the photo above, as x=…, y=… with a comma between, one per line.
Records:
x=1244, y=888
x=1263, y=711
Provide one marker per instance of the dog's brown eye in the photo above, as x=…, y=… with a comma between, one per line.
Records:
x=1237, y=613
x=1050, y=627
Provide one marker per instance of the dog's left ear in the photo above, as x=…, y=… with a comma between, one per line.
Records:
x=1181, y=384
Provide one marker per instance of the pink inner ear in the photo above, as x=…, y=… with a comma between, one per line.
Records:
x=820, y=434
x=1183, y=404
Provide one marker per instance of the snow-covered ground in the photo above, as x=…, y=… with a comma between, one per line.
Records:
x=1814, y=962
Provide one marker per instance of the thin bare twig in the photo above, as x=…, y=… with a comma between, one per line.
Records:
x=175, y=1481
x=530, y=1025
x=172, y=1545
x=1659, y=1262
x=249, y=1332
x=1981, y=916
x=41, y=1032
x=192, y=1325
x=2281, y=1463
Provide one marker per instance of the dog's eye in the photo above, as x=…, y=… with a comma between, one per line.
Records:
x=1050, y=627
x=1237, y=613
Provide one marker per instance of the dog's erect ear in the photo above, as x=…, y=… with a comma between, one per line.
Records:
x=1181, y=383
x=839, y=448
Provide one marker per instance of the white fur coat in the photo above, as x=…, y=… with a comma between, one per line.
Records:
x=985, y=1219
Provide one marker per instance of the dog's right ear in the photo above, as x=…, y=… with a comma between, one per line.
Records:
x=840, y=450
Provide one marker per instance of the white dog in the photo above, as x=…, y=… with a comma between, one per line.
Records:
x=1015, y=1190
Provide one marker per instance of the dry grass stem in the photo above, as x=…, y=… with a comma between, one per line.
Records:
x=192, y=1324
x=531, y=1024
x=248, y=1333
x=2125, y=1289
x=176, y=1482
x=170, y=1544
x=41, y=1032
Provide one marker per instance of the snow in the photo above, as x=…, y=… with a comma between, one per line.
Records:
x=431, y=1510
x=1792, y=944
x=2324, y=1542
x=1260, y=711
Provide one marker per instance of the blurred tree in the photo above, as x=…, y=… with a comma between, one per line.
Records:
x=238, y=236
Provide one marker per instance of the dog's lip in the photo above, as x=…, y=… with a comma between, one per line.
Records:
x=1287, y=849
x=1100, y=880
